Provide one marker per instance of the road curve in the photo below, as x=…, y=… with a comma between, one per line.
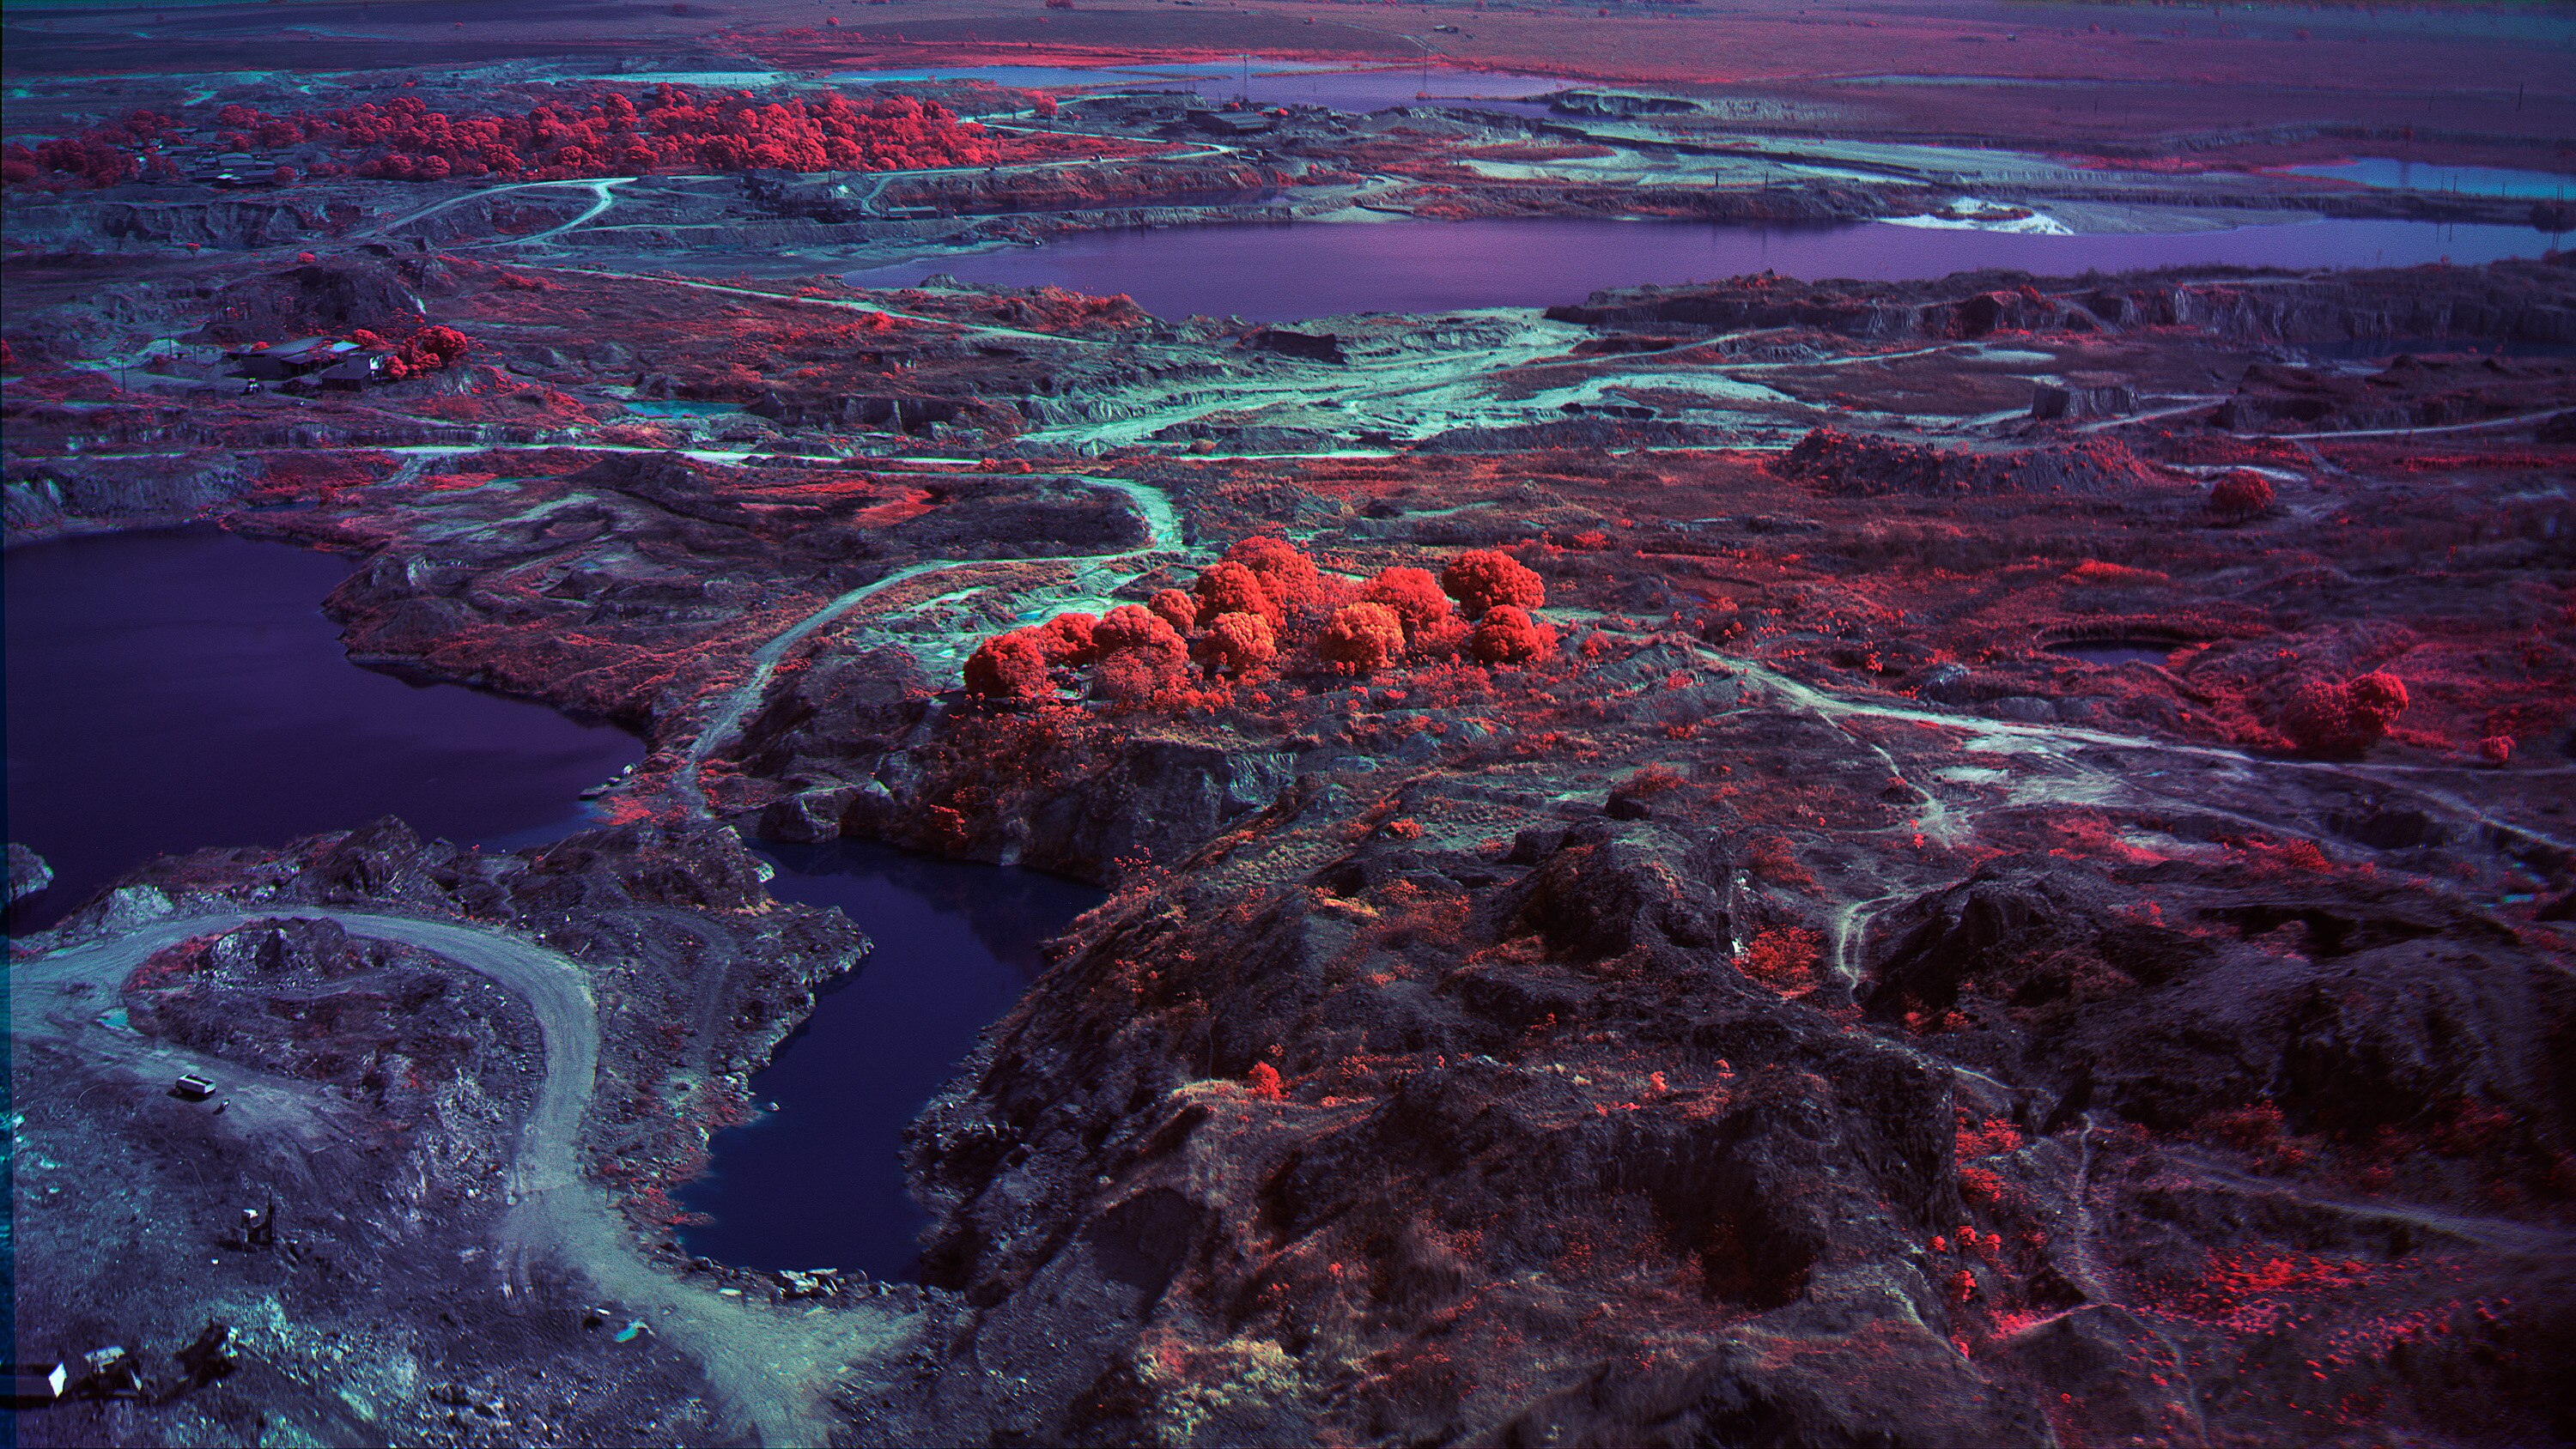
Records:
x=767, y=1367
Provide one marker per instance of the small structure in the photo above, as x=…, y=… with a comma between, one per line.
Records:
x=193, y=1088
x=291, y=359
x=353, y=372
x=112, y=1372
x=1231, y=123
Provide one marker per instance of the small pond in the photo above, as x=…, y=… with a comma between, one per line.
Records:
x=178, y=689
x=818, y=1182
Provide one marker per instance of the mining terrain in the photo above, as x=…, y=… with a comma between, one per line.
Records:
x=1981, y=859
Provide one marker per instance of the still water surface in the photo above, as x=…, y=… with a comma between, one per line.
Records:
x=174, y=690
x=1299, y=270
x=818, y=1182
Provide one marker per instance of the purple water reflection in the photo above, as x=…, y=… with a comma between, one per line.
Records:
x=174, y=690
x=1281, y=273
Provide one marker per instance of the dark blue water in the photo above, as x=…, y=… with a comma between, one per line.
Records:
x=818, y=1183
x=1283, y=273
x=174, y=690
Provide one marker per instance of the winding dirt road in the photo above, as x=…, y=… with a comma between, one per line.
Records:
x=771, y=1369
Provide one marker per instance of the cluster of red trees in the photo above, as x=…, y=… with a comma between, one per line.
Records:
x=673, y=130
x=1267, y=603
x=100, y=156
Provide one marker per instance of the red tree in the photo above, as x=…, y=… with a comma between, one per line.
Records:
x=1414, y=595
x=1235, y=644
x=1231, y=588
x=1484, y=578
x=1362, y=638
x=2240, y=494
x=1508, y=635
x=1009, y=666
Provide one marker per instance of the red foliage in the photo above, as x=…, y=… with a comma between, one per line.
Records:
x=402, y=139
x=1009, y=666
x=1485, y=578
x=1235, y=644
x=1507, y=635
x=1233, y=588
x=2324, y=717
x=1784, y=958
x=1067, y=639
x=1995, y=1135
x=1263, y=1081
x=2496, y=750
x=1979, y=1185
x=1288, y=576
x=2240, y=493
x=1176, y=609
x=1361, y=637
x=1130, y=629
x=1415, y=597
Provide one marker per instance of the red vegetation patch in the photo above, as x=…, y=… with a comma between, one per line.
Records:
x=402, y=139
x=1784, y=958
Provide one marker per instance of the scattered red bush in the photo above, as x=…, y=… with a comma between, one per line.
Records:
x=1232, y=588
x=2240, y=494
x=1414, y=595
x=1361, y=637
x=1235, y=644
x=2324, y=717
x=1507, y=635
x=1485, y=578
x=1009, y=666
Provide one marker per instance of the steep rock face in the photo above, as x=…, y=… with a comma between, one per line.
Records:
x=2510, y=301
x=2411, y=392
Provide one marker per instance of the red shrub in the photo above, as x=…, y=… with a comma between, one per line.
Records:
x=2324, y=717
x=1263, y=1081
x=1362, y=637
x=1484, y=578
x=1231, y=588
x=1507, y=635
x=1129, y=628
x=1414, y=595
x=1009, y=666
x=1176, y=609
x=2239, y=494
x=432, y=348
x=2496, y=750
x=1288, y=576
x=1235, y=644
